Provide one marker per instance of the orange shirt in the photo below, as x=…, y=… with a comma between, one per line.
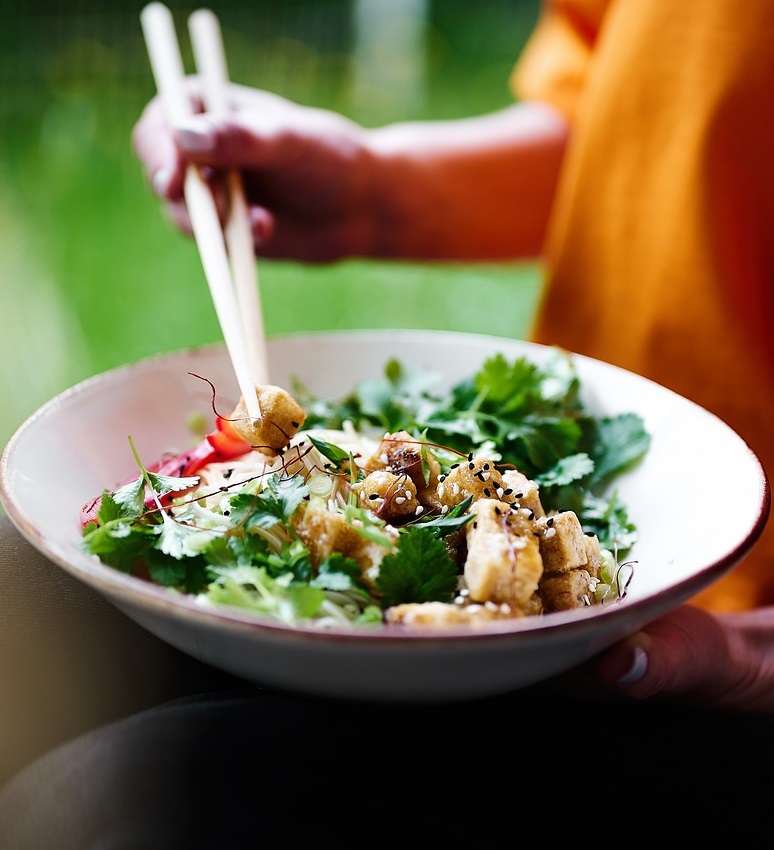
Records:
x=660, y=253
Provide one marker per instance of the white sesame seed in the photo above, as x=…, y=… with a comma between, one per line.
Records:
x=409, y=495
x=419, y=510
x=444, y=509
x=456, y=489
x=499, y=492
x=485, y=476
x=399, y=500
x=549, y=532
x=490, y=606
x=440, y=491
x=383, y=458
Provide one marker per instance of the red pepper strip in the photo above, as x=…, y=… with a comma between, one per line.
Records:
x=219, y=445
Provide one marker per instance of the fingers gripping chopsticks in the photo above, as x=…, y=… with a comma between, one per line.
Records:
x=226, y=252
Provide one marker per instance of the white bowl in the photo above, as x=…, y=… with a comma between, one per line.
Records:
x=76, y=445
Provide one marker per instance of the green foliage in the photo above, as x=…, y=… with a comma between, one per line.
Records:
x=528, y=416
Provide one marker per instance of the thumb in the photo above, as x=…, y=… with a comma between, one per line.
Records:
x=686, y=652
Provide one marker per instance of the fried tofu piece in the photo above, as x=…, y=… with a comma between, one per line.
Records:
x=392, y=497
x=567, y=590
x=444, y=614
x=281, y=417
x=325, y=532
x=400, y=453
x=478, y=478
x=562, y=542
x=503, y=563
x=594, y=555
x=523, y=491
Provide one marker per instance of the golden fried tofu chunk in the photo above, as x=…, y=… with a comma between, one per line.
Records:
x=593, y=554
x=567, y=590
x=562, y=542
x=523, y=491
x=477, y=477
x=503, y=563
x=444, y=614
x=401, y=453
x=281, y=417
x=391, y=497
x=325, y=532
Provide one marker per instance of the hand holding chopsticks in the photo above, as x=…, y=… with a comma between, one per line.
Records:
x=228, y=260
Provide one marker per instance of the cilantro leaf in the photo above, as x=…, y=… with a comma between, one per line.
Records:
x=566, y=470
x=130, y=498
x=274, y=504
x=421, y=570
x=338, y=573
x=619, y=442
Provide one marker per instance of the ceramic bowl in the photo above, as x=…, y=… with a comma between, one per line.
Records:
x=76, y=445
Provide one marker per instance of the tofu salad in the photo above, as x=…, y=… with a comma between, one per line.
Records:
x=394, y=506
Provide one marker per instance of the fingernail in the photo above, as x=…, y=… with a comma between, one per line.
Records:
x=638, y=668
x=195, y=136
x=259, y=225
x=161, y=181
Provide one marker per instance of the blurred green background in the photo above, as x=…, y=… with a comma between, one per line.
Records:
x=92, y=275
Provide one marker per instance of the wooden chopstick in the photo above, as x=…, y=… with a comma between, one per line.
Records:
x=210, y=56
x=167, y=65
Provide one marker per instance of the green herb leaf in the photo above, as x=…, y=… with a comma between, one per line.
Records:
x=337, y=456
x=421, y=570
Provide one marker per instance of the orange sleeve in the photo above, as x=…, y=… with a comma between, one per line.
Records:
x=555, y=61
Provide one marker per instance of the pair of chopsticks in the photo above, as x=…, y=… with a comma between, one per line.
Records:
x=226, y=251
